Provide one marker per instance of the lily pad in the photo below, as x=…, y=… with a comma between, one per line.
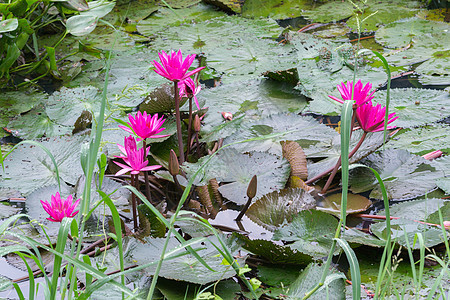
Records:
x=36, y=124
x=355, y=236
x=236, y=169
x=28, y=167
x=186, y=267
x=274, y=253
x=253, y=98
x=416, y=107
x=7, y=211
x=400, y=33
x=332, y=151
x=422, y=140
x=418, y=210
x=309, y=278
x=404, y=228
x=355, y=204
x=311, y=232
x=304, y=129
x=323, y=65
x=166, y=18
x=405, y=175
x=228, y=5
x=443, y=164
x=273, y=209
x=64, y=107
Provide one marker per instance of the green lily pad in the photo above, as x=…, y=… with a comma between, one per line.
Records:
x=186, y=267
x=401, y=278
x=311, y=232
x=355, y=236
x=310, y=277
x=28, y=167
x=64, y=107
x=404, y=228
x=405, y=175
x=304, y=129
x=7, y=211
x=36, y=124
x=273, y=209
x=277, y=9
x=416, y=107
x=166, y=18
x=253, y=98
x=443, y=164
x=323, y=65
x=332, y=151
x=274, y=253
x=436, y=70
x=418, y=210
x=106, y=38
x=355, y=204
x=400, y=33
x=134, y=11
x=445, y=211
x=386, y=11
x=237, y=169
x=422, y=140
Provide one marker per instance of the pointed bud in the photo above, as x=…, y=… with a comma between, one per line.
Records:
x=197, y=124
x=174, y=167
x=446, y=224
x=252, y=186
x=227, y=116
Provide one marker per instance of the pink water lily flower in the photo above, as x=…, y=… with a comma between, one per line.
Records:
x=360, y=94
x=187, y=88
x=145, y=126
x=173, y=67
x=134, y=158
x=60, y=208
x=371, y=118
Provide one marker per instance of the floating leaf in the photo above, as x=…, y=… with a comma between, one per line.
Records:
x=418, y=210
x=166, y=18
x=422, y=140
x=402, y=228
x=7, y=211
x=308, y=280
x=304, y=129
x=416, y=107
x=379, y=12
x=186, y=267
x=405, y=175
x=252, y=98
x=160, y=100
x=355, y=204
x=332, y=151
x=228, y=5
x=64, y=107
x=231, y=166
x=323, y=65
x=35, y=124
x=273, y=209
x=443, y=164
x=400, y=33
x=311, y=232
x=355, y=236
x=274, y=253
x=28, y=167
x=275, y=9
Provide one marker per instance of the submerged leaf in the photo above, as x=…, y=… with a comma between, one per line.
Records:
x=355, y=204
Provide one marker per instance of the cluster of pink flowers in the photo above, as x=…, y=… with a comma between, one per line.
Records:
x=370, y=117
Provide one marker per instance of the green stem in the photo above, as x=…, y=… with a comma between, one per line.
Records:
x=178, y=121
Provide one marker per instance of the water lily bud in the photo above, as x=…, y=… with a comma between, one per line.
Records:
x=252, y=186
x=446, y=224
x=174, y=167
x=227, y=116
x=197, y=124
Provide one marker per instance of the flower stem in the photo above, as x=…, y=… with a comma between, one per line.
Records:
x=178, y=119
x=147, y=183
x=133, y=202
x=189, y=127
x=338, y=164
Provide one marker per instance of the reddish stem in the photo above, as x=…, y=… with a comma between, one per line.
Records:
x=189, y=127
x=133, y=202
x=378, y=217
x=178, y=121
x=147, y=183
